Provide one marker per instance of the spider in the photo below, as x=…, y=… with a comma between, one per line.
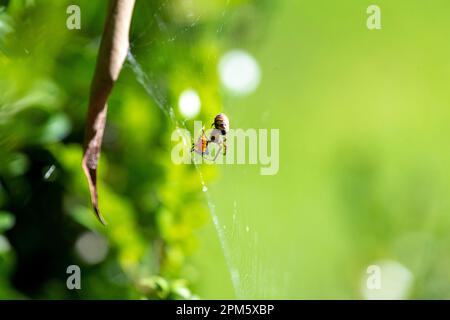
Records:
x=218, y=134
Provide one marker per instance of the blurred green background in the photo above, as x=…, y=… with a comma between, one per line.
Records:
x=364, y=164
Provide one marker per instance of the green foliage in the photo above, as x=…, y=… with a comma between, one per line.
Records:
x=6, y=221
x=152, y=206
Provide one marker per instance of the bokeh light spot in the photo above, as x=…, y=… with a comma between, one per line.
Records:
x=396, y=282
x=239, y=72
x=91, y=247
x=189, y=103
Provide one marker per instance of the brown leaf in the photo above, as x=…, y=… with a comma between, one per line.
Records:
x=112, y=54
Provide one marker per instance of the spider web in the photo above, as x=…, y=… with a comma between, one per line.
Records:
x=238, y=237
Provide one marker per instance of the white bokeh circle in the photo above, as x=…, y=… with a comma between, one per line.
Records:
x=239, y=72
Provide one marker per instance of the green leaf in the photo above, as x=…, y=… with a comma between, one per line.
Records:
x=7, y=221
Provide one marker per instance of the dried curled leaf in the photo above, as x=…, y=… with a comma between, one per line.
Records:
x=112, y=54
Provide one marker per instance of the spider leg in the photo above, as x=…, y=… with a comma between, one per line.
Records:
x=217, y=153
x=224, y=146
